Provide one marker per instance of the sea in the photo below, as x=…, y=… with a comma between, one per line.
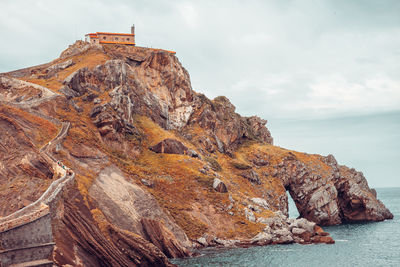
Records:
x=359, y=244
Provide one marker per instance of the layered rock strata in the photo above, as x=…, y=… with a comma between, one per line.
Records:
x=159, y=168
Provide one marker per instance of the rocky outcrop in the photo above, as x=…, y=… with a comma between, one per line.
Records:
x=228, y=129
x=341, y=196
x=156, y=85
x=108, y=122
x=53, y=69
x=357, y=202
x=137, y=250
x=219, y=186
x=159, y=235
x=280, y=229
x=22, y=93
x=131, y=208
x=77, y=48
x=80, y=241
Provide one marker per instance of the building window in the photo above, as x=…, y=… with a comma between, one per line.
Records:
x=116, y=38
x=127, y=39
x=104, y=37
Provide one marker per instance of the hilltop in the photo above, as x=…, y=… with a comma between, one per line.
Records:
x=159, y=169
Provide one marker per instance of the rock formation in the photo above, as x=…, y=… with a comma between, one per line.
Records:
x=342, y=195
x=159, y=168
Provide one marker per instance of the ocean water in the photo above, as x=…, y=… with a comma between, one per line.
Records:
x=361, y=244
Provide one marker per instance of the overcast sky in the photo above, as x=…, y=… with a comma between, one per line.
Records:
x=326, y=74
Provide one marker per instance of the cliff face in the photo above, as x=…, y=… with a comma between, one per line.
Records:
x=159, y=168
x=24, y=172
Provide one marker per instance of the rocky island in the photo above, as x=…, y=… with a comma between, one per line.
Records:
x=110, y=158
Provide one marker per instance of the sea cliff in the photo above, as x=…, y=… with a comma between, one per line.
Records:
x=159, y=169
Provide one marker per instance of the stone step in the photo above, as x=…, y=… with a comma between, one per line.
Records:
x=26, y=254
x=27, y=230
x=36, y=263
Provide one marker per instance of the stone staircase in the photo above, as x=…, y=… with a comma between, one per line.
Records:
x=26, y=237
x=38, y=263
x=28, y=240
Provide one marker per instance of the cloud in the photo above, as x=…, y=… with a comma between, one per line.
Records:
x=336, y=93
x=273, y=58
x=279, y=59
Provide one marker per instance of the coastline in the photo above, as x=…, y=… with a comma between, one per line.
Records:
x=370, y=243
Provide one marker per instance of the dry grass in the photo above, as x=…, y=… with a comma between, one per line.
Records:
x=179, y=186
x=39, y=130
x=89, y=59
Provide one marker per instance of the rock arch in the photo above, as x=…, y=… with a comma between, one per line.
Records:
x=333, y=196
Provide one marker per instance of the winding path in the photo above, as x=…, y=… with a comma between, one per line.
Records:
x=26, y=235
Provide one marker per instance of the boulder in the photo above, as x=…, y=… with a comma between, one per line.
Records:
x=219, y=186
x=298, y=231
x=192, y=153
x=147, y=183
x=170, y=146
x=249, y=215
x=319, y=231
x=202, y=241
x=252, y=176
x=305, y=224
x=262, y=238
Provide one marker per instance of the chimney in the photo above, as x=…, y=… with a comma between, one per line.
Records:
x=133, y=29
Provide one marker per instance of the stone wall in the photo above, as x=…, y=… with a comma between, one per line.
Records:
x=30, y=241
x=26, y=235
x=27, y=254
